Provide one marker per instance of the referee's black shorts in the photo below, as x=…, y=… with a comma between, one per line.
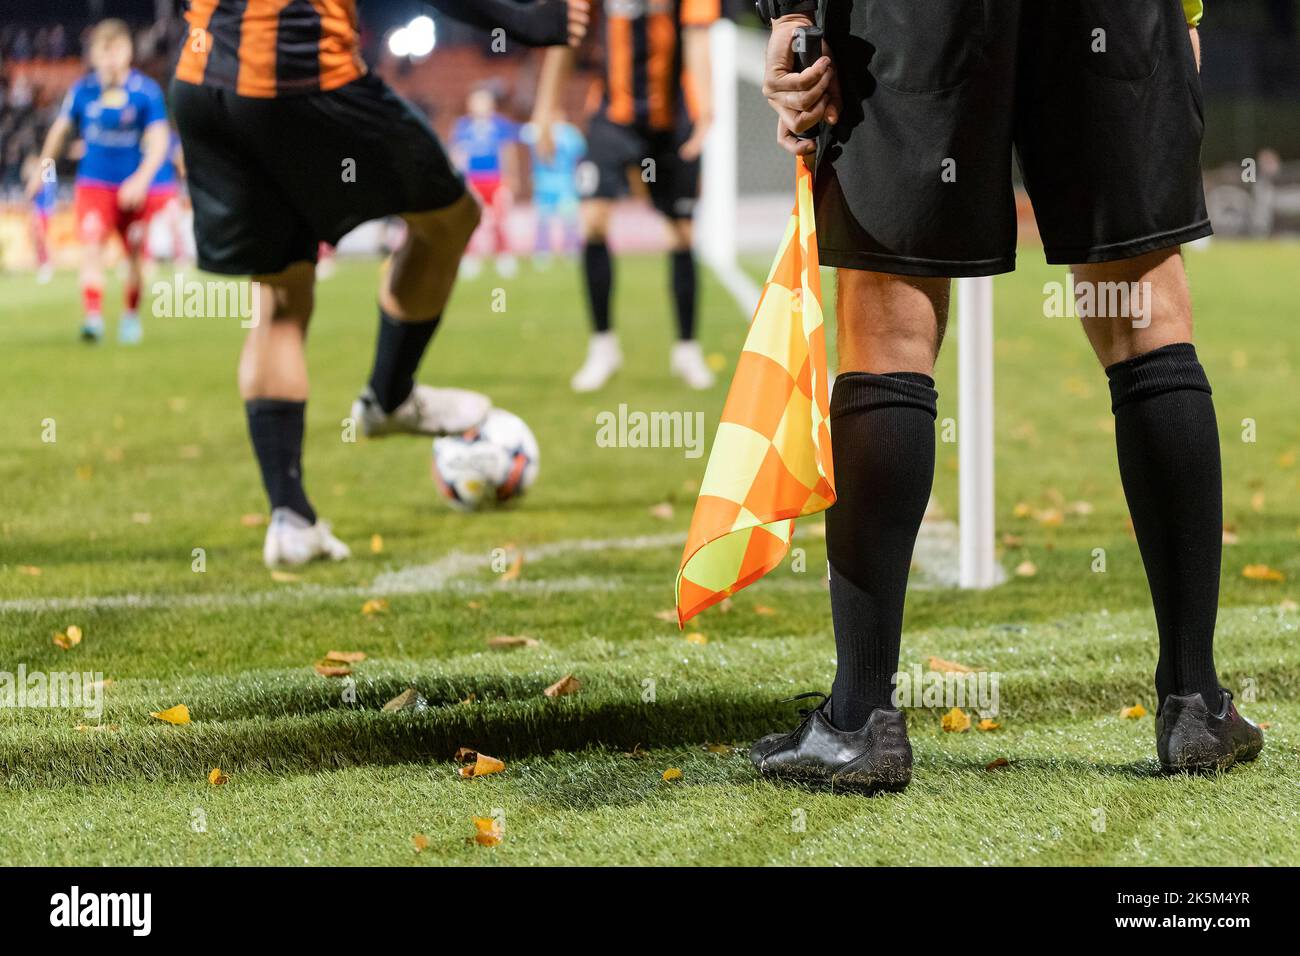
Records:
x=270, y=179
x=1100, y=100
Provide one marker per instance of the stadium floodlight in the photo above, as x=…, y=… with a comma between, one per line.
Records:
x=415, y=40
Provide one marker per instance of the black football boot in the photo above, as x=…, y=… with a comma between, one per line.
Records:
x=876, y=757
x=1191, y=739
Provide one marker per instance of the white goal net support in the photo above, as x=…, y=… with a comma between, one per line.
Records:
x=745, y=202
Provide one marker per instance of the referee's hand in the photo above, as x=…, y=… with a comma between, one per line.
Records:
x=801, y=100
x=579, y=20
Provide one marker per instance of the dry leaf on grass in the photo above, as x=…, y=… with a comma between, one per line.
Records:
x=568, y=684
x=671, y=774
x=408, y=699
x=84, y=728
x=508, y=641
x=986, y=725
x=68, y=639
x=217, y=778
x=956, y=721
x=474, y=605
x=695, y=637
x=420, y=842
x=1132, y=713
x=762, y=610
x=375, y=606
x=998, y=764
x=1026, y=569
x=947, y=667
x=718, y=748
x=180, y=714
x=376, y=544
x=330, y=669
x=1262, y=572
x=31, y=570
x=487, y=831
x=477, y=764
x=285, y=577
x=251, y=520
x=346, y=657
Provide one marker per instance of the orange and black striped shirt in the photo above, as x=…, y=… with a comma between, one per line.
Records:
x=643, y=54
x=268, y=48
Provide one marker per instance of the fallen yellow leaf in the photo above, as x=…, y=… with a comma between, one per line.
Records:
x=1026, y=569
x=482, y=766
x=180, y=714
x=1262, y=572
x=217, y=778
x=1132, y=713
x=375, y=606
x=284, y=577
x=672, y=773
x=986, y=725
x=376, y=544
x=327, y=669
x=948, y=667
x=68, y=639
x=762, y=610
x=998, y=764
x=568, y=684
x=487, y=831
x=506, y=641
x=421, y=842
x=346, y=657
x=956, y=721
x=695, y=637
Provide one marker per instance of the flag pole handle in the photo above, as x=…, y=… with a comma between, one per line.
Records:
x=807, y=46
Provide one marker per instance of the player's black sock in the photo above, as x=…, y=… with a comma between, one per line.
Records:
x=599, y=270
x=398, y=353
x=276, y=428
x=684, y=292
x=882, y=430
x=1168, y=444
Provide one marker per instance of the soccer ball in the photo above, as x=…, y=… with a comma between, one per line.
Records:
x=490, y=464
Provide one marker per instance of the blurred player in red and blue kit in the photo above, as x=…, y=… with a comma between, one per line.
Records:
x=43, y=205
x=479, y=144
x=122, y=118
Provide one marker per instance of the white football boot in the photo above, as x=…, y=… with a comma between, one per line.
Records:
x=687, y=363
x=291, y=541
x=426, y=411
x=604, y=358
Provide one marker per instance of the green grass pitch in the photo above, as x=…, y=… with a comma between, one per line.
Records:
x=151, y=462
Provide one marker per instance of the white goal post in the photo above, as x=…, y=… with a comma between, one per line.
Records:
x=738, y=56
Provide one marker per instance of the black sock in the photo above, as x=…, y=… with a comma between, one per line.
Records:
x=276, y=428
x=684, y=292
x=599, y=270
x=1168, y=445
x=882, y=431
x=398, y=353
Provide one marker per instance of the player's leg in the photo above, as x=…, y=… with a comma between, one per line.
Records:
x=602, y=178
x=1125, y=228
x=686, y=361
x=41, y=246
x=604, y=356
x=95, y=212
x=502, y=205
x=273, y=384
x=135, y=241
x=417, y=283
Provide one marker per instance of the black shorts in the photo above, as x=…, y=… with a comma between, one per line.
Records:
x=614, y=149
x=270, y=179
x=1100, y=99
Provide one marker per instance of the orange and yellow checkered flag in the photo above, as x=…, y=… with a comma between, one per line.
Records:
x=771, y=457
